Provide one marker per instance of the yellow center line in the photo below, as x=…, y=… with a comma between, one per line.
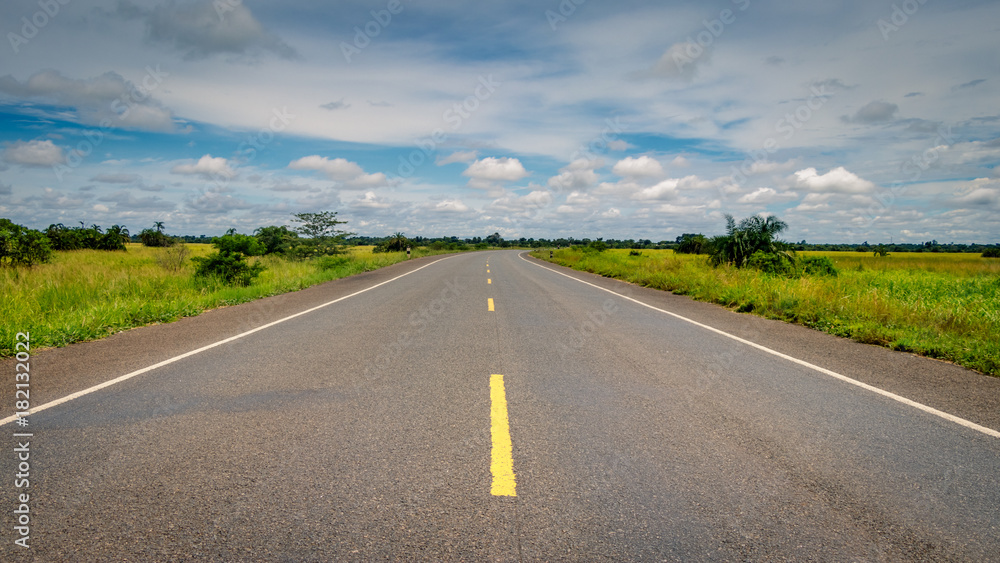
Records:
x=489, y=281
x=489, y=304
x=502, y=464
x=487, y=270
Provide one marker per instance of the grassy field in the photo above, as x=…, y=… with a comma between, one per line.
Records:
x=89, y=294
x=944, y=306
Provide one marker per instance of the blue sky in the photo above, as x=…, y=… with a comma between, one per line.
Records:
x=852, y=121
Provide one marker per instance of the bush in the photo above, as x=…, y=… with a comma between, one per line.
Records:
x=634, y=253
x=173, y=258
x=231, y=267
x=689, y=243
x=772, y=263
x=21, y=246
x=234, y=242
x=598, y=245
x=276, y=240
x=992, y=252
x=818, y=266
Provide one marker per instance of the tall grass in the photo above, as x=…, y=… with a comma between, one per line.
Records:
x=944, y=306
x=89, y=294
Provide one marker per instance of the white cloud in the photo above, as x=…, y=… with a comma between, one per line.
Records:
x=874, y=112
x=666, y=189
x=765, y=196
x=206, y=167
x=521, y=205
x=839, y=180
x=203, y=29
x=619, y=145
x=371, y=201
x=643, y=166
x=349, y=174
x=449, y=206
x=458, y=156
x=680, y=162
x=496, y=169
x=105, y=100
x=34, y=153
x=578, y=175
x=680, y=60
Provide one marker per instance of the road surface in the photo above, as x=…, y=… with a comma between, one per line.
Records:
x=488, y=406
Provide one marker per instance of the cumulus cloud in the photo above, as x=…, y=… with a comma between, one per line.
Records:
x=764, y=196
x=839, y=180
x=448, y=206
x=982, y=192
x=34, y=153
x=371, y=201
x=666, y=189
x=348, y=173
x=643, y=166
x=874, y=112
x=107, y=100
x=524, y=205
x=496, y=169
x=578, y=175
x=203, y=29
x=206, y=167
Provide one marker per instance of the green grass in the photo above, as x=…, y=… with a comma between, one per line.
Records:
x=945, y=306
x=89, y=294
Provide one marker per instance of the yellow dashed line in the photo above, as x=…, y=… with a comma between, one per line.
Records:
x=488, y=281
x=489, y=304
x=502, y=464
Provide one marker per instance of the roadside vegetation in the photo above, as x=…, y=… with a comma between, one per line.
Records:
x=945, y=306
x=66, y=285
x=88, y=294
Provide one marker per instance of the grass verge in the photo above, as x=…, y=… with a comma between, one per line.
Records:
x=944, y=306
x=89, y=294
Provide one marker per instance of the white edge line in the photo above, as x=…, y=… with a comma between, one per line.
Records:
x=873, y=389
x=130, y=375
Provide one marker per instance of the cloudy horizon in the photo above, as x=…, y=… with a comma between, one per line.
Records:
x=860, y=121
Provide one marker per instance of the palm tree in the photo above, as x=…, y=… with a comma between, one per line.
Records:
x=158, y=225
x=753, y=234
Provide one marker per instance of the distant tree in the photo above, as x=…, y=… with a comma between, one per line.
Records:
x=881, y=250
x=155, y=236
x=690, y=243
x=494, y=240
x=229, y=263
x=323, y=235
x=992, y=252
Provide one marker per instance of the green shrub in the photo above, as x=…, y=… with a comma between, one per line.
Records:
x=818, y=266
x=598, y=246
x=233, y=242
x=21, y=246
x=992, y=252
x=152, y=237
x=230, y=267
x=777, y=263
x=742, y=241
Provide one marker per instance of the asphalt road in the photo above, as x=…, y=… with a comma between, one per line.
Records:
x=367, y=429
